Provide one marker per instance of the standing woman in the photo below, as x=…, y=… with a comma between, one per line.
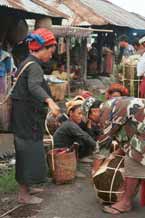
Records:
x=31, y=98
x=141, y=74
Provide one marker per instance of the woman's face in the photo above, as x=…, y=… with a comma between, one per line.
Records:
x=123, y=44
x=76, y=115
x=94, y=115
x=47, y=53
x=115, y=94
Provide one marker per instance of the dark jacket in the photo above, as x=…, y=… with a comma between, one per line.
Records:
x=69, y=132
x=28, y=96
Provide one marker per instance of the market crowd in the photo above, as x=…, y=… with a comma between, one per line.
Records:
x=90, y=123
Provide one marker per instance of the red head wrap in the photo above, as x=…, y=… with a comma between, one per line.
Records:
x=40, y=38
x=117, y=87
x=86, y=94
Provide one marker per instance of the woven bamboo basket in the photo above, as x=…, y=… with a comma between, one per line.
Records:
x=108, y=179
x=58, y=91
x=130, y=79
x=62, y=161
x=62, y=165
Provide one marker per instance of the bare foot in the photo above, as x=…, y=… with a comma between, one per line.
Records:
x=113, y=210
x=33, y=191
x=119, y=207
x=122, y=205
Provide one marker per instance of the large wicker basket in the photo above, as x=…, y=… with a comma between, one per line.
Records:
x=63, y=165
x=108, y=179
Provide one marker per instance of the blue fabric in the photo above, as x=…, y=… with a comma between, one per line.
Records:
x=35, y=37
x=5, y=66
x=5, y=63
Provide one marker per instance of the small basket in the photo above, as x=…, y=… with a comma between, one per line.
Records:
x=63, y=165
x=62, y=161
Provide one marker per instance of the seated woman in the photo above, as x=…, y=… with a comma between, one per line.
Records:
x=70, y=132
x=61, y=72
x=116, y=90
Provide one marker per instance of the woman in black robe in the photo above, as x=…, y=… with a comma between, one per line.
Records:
x=31, y=99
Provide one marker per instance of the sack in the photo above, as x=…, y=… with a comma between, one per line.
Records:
x=6, y=104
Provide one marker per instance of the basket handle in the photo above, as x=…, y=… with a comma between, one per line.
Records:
x=52, y=141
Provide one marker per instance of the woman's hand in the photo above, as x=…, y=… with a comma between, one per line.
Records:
x=53, y=107
x=89, y=124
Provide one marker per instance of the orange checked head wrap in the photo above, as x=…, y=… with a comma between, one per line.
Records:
x=40, y=38
x=116, y=87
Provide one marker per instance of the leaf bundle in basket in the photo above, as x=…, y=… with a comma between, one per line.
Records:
x=108, y=179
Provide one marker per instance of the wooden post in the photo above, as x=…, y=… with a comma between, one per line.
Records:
x=68, y=61
x=85, y=58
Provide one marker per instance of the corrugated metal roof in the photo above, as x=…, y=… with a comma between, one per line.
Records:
x=44, y=4
x=113, y=14
x=61, y=7
x=97, y=12
x=67, y=8
x=138, y=15
x=28, y=6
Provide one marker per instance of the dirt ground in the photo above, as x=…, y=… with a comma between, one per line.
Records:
x=75, y=200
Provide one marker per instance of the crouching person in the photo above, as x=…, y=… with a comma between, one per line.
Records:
x=70, y=132
x=123, y=119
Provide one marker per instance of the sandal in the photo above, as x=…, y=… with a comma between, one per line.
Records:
x=32, y=200
x=114, y=210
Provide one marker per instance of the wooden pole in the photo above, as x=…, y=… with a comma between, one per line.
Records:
x=68, y=62
x=85, y=59
x=81, y=28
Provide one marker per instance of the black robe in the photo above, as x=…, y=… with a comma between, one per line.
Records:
x=28, y=116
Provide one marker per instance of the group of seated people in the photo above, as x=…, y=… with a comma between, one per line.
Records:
x=61, y=72
x=83, y=128
x=94, y=125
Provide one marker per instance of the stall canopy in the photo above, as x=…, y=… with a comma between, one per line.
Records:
x=97, y=12
x=78, y=32
x=71, y=31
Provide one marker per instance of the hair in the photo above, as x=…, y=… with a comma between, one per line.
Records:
x=96, y=104
x=135, y=42
x=115, y=90
x=123, y=38
x=117, y=87
x=39, y=49
x=74, y=108
x=60, y=64
x=49, y=46
x=94, y=44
